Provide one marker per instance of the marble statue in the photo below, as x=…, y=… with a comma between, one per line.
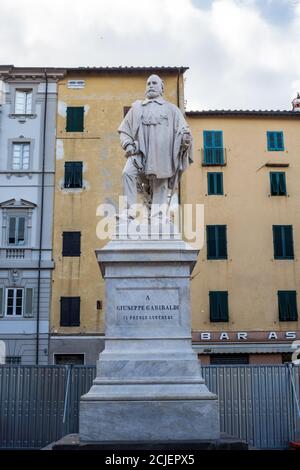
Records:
x=158, y=146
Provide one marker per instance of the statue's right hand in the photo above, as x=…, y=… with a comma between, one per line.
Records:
x=130, y=150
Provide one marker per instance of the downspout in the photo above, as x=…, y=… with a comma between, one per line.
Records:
x=178, y=104
x=41, y=225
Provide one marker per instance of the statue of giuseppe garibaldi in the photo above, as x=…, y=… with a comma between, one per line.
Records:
x=158, y=146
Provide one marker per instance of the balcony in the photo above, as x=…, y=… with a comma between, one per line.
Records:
x=15, y=253
x=27, y=257
x=215, y=156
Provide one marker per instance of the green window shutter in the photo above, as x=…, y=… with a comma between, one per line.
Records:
x=73, y=175
x=223, y=301
x=275, y=140
x=210, y=183
x=287, y=305
x=75, y=119
x=218, y=139
x=270, y=140
x=216, y=241
x=208, y=146
x=293, y=313
x=208, y=139
x=213, y=307
x=213, y=147
x=274, y=184
x=71, y=243
x=28, y=306
x=68, y=175
x=222, y=241
x=277, y=241
x=70, y=311
x=288, y=242
x=283, y=242
x=215, y=183
x=218, y=303
x=282, y=305
x=211, y=241
x=2, y=297
x=278, y=184
x=279, y=141
x=65, y=311
x=282, y=184
x=219, y=183
x=218, y=147
x=78, y=174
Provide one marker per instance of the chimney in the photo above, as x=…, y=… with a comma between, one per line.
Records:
x=296, y=103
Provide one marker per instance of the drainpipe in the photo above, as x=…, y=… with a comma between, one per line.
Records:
x=41, y=225
x=178, y=104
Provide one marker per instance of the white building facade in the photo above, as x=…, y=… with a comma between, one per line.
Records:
x=28, y=101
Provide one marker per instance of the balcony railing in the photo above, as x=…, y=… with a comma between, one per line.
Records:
x=15, y=253
x=213, y=156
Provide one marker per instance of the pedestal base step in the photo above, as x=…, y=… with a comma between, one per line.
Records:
x=153, y=420
x=72, y=442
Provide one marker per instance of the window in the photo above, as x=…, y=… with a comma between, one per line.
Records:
x=71, y=243
x=75, y=119
x=14, y=302
x=275, y=140
x=283, y=242
x=73, y=175
x=277, y=183
x=20, y=158
x=218, y=306
x=16, y=230
x=287, y=305
x=23, y=102
x=13, y=360
x=214, y=183
x=225, y=359
x=76, y=84
x=76, y=359
x=216, y=242
x=17, y=301
x=213, y=148
x=70, y=311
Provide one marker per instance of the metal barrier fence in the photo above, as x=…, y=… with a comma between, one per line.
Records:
x=39, y=404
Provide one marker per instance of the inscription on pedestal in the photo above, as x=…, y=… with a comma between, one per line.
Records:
x=138, y=307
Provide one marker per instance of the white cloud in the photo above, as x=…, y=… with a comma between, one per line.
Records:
x=237, y=58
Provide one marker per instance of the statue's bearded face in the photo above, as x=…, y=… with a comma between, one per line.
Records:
x=154, y=87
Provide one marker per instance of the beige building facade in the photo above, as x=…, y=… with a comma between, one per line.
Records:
x=245, y=286
x=89, y=163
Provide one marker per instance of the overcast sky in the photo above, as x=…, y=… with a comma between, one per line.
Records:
x=242, y=54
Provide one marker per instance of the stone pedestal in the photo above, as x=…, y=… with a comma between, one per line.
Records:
x=149, y=385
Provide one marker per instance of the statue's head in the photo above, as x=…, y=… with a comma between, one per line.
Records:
x=154, y=87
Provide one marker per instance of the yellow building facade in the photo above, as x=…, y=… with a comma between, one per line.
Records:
x=89, y=162
x=251, y=219
x=254, y=276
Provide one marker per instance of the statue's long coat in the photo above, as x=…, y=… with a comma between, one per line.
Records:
x=156, y=127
